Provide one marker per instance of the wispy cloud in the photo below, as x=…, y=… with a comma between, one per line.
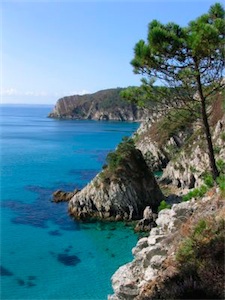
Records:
x=15, y=92
x=9, y=92
x=82, y=92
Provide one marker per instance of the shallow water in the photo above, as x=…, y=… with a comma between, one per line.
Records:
x=46, y=254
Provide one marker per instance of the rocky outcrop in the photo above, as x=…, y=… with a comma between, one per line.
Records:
x=187, y=169
x=185, y=251
x=102, y=105
x=62, y=196
x=119, y=192
x=153, y=154
x=158, y=150
x=155, y=256
x=180, y=150
x=148, y=221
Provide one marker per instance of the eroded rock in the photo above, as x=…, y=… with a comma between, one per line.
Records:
x=119, y=194
x=62, y=196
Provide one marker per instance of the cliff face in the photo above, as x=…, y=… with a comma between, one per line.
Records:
x=183, y=258
x=180, y=149
x=121, y=191
x=188, y=169
x=172, y=262
x=103, y=105
x=188, y=166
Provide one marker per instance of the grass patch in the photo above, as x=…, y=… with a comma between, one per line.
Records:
x=115, y=159
x=172, y=124
x=196, y=193
x=205, y=234
x=200, y=257
x=163, y=205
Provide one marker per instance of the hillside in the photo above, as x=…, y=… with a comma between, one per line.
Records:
x=182, y=258
x=187, y=246
x=178, y=147
x=183, y=211
x=102, y=105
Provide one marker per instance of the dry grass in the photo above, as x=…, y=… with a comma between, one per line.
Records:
x=198, y=272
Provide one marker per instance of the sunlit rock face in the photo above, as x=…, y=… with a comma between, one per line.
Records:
x=121, y=194
x=103, y=105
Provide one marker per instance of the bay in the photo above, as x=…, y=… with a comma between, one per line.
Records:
x=44, y=253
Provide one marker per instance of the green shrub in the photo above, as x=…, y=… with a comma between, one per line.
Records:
x=186, y=251
x=163, y=205
x=200, y=227
x=223, y=136
x=217, y=149
x=221, y=183
x=200, y=257
x=208, y=180
x=202, y=190
x=220, y=165
x=190, y=195
x=114, y=159
x=195, y=193
x=186, y=197
x=136, y=137
x=204, y=234
x=193, y=169
x=126, y=145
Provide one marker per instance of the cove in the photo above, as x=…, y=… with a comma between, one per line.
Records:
x=45, y=253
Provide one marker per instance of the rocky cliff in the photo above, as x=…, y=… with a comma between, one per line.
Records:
x=182, y=258
x=121, y=191
x=102, y=105
x=178, y=147
x=190, y=164
x=172, y=262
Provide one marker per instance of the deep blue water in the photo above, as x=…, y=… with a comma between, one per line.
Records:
x=44, y=253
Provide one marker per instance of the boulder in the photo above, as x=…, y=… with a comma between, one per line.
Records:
x=148, y=221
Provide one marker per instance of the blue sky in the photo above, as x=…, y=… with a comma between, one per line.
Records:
x=52, y=49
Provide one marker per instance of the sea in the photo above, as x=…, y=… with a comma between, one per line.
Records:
x=45, y=254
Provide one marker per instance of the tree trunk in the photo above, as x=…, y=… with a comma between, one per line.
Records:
x=214, y=170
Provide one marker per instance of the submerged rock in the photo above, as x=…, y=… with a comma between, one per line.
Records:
x=119, y=192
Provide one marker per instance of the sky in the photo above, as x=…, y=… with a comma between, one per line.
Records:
x=51, y=49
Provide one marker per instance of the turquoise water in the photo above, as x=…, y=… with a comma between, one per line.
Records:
x=44, y=253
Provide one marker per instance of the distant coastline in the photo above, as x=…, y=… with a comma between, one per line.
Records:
x=104, y=105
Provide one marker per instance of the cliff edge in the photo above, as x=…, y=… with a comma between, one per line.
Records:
x=121, y=191
x=102, y=105
x=182, y=258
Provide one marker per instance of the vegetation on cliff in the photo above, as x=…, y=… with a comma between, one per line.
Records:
x=183, y=258
x=197, y=270
x=115, y=160
x=102, y=105
x=121, y=191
